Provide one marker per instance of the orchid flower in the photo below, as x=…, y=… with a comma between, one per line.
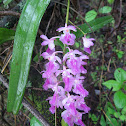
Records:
x=51, y=57
x=87, y=42
x=72, y=66
x=67, y=38
x=49, y=42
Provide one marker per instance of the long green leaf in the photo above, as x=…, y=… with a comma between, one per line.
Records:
x=35, y=122
x=6, y=35
x=22, y=51
x=95, y=25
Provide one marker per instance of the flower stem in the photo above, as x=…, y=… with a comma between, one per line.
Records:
x=55, y=109
x=67, y=15
x=77, y=28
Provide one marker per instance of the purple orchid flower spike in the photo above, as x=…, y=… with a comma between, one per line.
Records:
x=87, y=42
x=67, y=38
x=49, y=42
x=67, y=71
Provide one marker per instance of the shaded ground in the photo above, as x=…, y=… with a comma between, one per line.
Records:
x=101, y=65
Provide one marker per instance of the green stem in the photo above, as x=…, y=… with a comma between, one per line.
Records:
x=77, y=28
x=67, y=15
x=55, y=109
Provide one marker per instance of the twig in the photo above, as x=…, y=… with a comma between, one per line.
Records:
x=109, y=65
x=103, y=107
x=98, y=6
x=120, y=14
x=6, y=49
x=39, y=89
x=50, y=20
x=101, y=76
x=118, y=24
x=27, y=105
x=107, y=118
x=12, y=13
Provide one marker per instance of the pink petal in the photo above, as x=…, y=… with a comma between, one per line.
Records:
x=44, y=43
x=87, y=50
x=87, y=42
x=49, y=51
x=44, y=37
x=83, y=70
x=68, y=84
x=84, y=57
x=61, y=29
x=45, y=55
x=52, y=109
x=70, y=27
x=78, y=89
x=58, y=59
x=77, y=52
x=45, y=86
x=51, y=45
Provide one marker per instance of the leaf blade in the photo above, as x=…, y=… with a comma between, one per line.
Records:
x=120, y=75
x=95, y=25
x=105, y=9
x=120, y=99
x=90, y=15
x=22, y=52
x=113, y=84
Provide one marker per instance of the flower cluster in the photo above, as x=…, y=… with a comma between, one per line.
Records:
x=73, y=67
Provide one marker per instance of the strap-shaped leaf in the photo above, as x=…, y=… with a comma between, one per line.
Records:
x=95, y=25
x=22, y=51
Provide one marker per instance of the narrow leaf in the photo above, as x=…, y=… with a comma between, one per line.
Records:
x=6, y=35
x=95, y=25
x=22, y=51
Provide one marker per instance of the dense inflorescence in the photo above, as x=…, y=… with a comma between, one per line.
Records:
x=72, y=62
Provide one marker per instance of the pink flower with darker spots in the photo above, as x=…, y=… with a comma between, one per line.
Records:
x=67, y=38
